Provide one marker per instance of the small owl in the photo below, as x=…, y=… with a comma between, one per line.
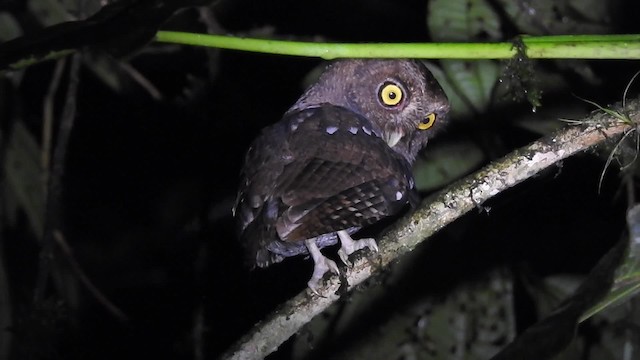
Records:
x=340, y=159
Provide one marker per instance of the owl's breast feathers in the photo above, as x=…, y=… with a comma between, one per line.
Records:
x=317, y=171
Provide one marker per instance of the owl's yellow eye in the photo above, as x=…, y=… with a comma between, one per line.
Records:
x=390, y=94
x=427, y=122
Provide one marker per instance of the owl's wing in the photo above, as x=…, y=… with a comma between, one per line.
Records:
x=344, y=176
x=318, y=171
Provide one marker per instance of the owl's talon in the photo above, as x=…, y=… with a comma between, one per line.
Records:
x=349, y=246
x=344, y=257
x=322, y=265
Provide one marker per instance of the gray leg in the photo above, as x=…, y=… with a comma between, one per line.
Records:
x=321, y=265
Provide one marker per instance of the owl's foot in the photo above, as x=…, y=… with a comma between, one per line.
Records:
x=322, y=265
x=349, y=246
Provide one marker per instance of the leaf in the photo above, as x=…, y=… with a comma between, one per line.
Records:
x=9, y=27
x=463, y=20
x=553, y=334
x=627, y=280
x=48, y=12
x=470, y=83
x=445, y=162
x=24, y=176
x=472, y=323
x=458, y=105
x=558, y=17
x=473, y=82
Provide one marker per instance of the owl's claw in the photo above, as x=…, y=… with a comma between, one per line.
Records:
x=322, y=265
x=349, y=246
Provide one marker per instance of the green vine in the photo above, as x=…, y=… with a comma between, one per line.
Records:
x=538, y=47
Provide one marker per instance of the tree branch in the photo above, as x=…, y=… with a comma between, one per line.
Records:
x=432, y=215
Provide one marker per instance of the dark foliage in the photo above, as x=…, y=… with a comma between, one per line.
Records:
x=149, y=183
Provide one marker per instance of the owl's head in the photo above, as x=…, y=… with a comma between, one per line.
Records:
x=400, y=97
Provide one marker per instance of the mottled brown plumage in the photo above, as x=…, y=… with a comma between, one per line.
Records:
x=339, y=160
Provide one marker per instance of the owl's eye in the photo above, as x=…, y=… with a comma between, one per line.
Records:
x=427, y=122
x=390, y=94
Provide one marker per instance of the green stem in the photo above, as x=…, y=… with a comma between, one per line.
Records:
x=54, y=55
x=539, y=47
x=580, y=38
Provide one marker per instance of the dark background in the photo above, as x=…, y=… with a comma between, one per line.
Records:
x=149, y=185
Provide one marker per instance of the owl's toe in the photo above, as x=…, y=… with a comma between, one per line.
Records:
x=322, y=265
x=349, y=246
x=320, y=268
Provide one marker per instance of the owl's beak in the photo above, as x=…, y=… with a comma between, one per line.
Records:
x=392, y=137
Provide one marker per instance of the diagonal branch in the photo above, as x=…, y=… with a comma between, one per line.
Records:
x=432, y=215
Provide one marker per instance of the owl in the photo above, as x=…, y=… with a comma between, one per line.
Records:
x=339, y=159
